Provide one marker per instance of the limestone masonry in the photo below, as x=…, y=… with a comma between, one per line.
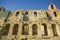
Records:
x=30, y=24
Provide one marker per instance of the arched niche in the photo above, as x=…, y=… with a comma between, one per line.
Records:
x=5, y=29
x=25, y=29
x=15, y=29
x=44, y=31
x=34, y=29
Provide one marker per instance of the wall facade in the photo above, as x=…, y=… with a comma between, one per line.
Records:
x=31, y=25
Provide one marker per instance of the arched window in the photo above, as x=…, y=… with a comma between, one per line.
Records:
x=15, y=29
x=44, y=31
x=55, y=14
x=17, y=13
x=34, y=29
x=52, y=6
x=25, y=29
x=35, y=14
x=5, y=29
x=25, y=16
x=1, y=8
x=54, y=29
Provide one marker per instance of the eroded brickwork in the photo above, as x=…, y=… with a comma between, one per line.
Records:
x=31, y=24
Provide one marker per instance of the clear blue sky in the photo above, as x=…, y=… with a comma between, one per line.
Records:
x=28, y=4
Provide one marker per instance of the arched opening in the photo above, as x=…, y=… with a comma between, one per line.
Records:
x=54, y=30
x=35, y=14
x=44, y=31
x=25, y=17
x=55, y=14
x=15, y=29
x=25, y=29
x=5, y=29
x=26, y=14
x=52, y=6
x=17, y=13
x=34, y=29
x=1, y=8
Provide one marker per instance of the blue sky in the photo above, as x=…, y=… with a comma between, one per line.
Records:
x=28, y=4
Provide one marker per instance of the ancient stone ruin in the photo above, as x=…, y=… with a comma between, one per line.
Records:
x=30, y=24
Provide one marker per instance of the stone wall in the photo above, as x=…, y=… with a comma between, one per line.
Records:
x=31, y=25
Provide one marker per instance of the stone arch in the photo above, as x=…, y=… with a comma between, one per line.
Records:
x=45, y=32
x=54, y=29
x=1, y=8
x=34, y=29
x=15, y=29
x=35, y=14
x=17, y=13
x=5, y=29
x=51, y=6
x=25, y=29
x=25, y=16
